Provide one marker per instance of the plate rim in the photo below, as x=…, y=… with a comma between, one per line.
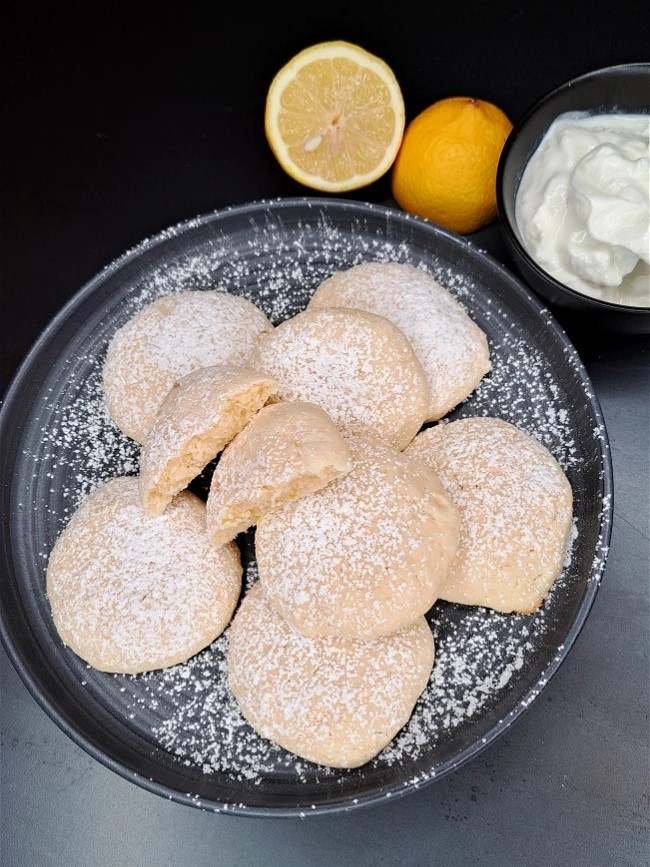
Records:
x=594, y=578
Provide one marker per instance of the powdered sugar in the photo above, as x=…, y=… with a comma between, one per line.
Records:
x=488, y=666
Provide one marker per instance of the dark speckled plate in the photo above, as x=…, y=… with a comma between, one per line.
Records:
x=178, y=732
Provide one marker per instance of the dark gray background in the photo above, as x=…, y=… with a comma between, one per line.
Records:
x=117, y=124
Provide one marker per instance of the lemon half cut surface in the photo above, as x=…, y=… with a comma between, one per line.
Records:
x=334, y=117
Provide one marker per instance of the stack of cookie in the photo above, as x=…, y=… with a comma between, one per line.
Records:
x=364, y=515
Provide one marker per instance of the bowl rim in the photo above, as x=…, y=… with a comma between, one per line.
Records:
x=506, y=223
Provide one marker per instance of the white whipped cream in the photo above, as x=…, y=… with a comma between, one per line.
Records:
x=583, y=205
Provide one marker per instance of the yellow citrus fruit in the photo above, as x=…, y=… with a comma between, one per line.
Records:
x=446, y=166
x=334, y=117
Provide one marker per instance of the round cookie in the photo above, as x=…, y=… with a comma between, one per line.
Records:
x=516, y=510
x=168, y=339
x=364, y=556
x=287, y=451
x=451, y=347
x=357, y=366
x=130, y=593
x=332, y=701
x=202, y=412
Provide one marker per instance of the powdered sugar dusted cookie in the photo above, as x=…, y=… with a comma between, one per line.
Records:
x=131, y=593
x=356, y=365
x=364, y=556
x=202, y=412
x=168, y=339
x=288, y=450
x=451, y=347
x=516, y=508
x=332, y=701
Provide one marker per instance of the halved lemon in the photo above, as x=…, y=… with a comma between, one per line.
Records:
x=335, y=117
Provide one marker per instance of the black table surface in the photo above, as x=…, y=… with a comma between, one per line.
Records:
x=120, y=121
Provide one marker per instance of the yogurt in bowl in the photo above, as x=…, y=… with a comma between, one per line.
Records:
x=601, y=93
x=582, y=207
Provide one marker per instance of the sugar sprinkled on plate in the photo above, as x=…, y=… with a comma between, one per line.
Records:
x=187, y=710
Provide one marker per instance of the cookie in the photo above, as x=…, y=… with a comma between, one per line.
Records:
x=332, y=701
x=168, y=339
x=516, y=511
x=451, y=347
x=357, y=366
x=366, y=555
x=287, y=451
x=202, y=412
x=131, y=593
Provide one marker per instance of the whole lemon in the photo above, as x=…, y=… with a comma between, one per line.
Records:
x=445, y=169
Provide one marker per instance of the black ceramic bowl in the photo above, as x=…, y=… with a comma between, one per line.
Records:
x=613, y=89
